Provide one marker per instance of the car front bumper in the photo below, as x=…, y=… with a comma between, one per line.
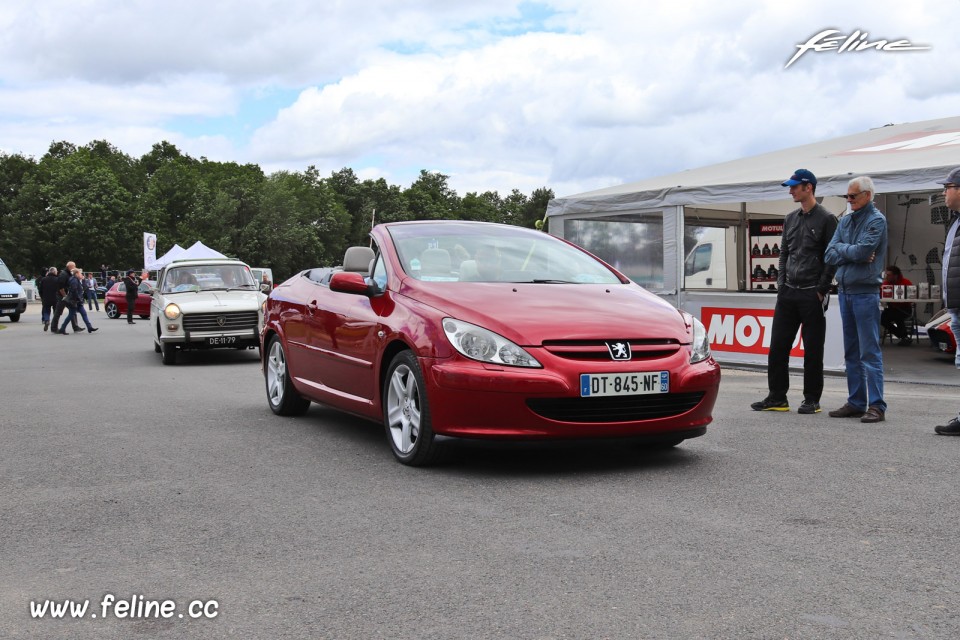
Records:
x=472, y=400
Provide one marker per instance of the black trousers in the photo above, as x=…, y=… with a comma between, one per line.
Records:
x=796, y=309
x=61, y=305
x=892, y=320
x=131, y=303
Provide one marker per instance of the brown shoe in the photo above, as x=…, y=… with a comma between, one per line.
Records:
x=873, y=414
x=846, y=411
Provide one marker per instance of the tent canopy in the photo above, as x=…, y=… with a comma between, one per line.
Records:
x=196, y=250
x=900, y=158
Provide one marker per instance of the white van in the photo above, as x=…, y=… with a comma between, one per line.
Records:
x=709, y=262
x=13, y=299
x=260, y=272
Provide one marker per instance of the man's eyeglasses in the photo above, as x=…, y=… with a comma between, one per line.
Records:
x=853, y=196
x=947, y=187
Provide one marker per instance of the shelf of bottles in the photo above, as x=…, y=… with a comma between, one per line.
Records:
x=764, y=255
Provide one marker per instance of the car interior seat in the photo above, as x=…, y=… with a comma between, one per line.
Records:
x=435, y=263
x=358, y=260
x=468, y=270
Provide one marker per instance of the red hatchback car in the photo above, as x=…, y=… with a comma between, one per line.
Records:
x=115, y=302
x=478, y=330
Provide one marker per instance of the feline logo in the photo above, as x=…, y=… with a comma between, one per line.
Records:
x=856, y=41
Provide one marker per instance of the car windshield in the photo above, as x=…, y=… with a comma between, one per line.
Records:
x=5, y=275
x=454, y=252
x=207, y=278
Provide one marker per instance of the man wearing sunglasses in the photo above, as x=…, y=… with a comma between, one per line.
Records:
x=951, y=276
x=859, y=251
x=803, y=287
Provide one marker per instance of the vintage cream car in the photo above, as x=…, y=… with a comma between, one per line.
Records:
x=205, y=304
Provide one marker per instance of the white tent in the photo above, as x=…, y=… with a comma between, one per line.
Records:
x=166, y=258
x=196, y=250
x=899, y=158
x=642, y=227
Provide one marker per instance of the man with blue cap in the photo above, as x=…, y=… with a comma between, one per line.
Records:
x=803, y=287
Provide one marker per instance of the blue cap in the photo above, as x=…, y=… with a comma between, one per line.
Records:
x=952, y=178
x=800, y=176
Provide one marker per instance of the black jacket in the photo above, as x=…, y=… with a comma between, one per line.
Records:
x=805, y=239
x=951, y=284
x=48, y=290
x=63, y=281
x=132, y=285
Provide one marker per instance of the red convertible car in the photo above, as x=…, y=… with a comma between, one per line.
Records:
x=479, y=330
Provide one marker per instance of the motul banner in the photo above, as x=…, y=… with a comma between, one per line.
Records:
x=742, y=330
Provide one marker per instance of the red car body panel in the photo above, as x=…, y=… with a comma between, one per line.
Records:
x=339, y=345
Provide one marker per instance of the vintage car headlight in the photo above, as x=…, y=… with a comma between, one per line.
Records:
x=700, y=348
x=480, y=344
x=172, y=311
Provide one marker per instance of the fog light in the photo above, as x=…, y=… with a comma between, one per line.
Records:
x=173, y=327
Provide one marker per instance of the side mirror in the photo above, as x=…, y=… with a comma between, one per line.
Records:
x=265, y=287
x=349, y=282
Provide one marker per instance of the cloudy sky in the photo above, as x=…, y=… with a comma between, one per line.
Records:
x=498, y=94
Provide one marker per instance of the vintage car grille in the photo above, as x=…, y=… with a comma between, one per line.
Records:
x=229, y=321
x=597, y=349
x=615, y=409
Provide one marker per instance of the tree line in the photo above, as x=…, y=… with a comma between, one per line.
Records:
x=92, y=204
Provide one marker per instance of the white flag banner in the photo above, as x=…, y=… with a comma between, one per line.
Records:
x=149, y=249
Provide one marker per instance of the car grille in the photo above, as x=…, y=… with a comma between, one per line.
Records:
x=640, y=350
x=615, y=409
x=232, y=321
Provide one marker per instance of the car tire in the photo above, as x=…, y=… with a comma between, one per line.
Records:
x=145, y=317
x=169, y=352
x=14, y=317
x=113, y=312
x=283, y=399
x=406, y=413
x=156, y=347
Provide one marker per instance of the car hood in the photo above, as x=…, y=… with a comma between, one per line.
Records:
x=529, y=314
x=12, y=287
x=216, y=301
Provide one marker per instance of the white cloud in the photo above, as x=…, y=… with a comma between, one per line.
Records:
x=616, y=92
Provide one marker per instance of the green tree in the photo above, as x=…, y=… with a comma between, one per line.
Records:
x=431, y=198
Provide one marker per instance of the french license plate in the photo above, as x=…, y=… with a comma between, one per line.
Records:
x=624, y=384
x=222, y=340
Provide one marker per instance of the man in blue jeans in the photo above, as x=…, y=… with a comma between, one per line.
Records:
x=859, y=251
x=951, y=277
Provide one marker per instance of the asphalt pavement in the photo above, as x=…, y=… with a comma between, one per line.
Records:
x=126, y=481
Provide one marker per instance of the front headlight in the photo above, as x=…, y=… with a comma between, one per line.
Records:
x=172, y=311
x=700, y=348
x=480, y=344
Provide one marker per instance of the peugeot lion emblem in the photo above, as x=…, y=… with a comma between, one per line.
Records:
x=619, y=350
x=221, y=320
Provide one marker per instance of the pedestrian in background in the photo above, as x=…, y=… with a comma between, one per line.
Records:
x=63, y=280
x=858, y=250
x=132, y=285
x=894, y=316
x=48, y=288
x=90, y=291
x=74, y=298
x=803, y=290
x=951, y=277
